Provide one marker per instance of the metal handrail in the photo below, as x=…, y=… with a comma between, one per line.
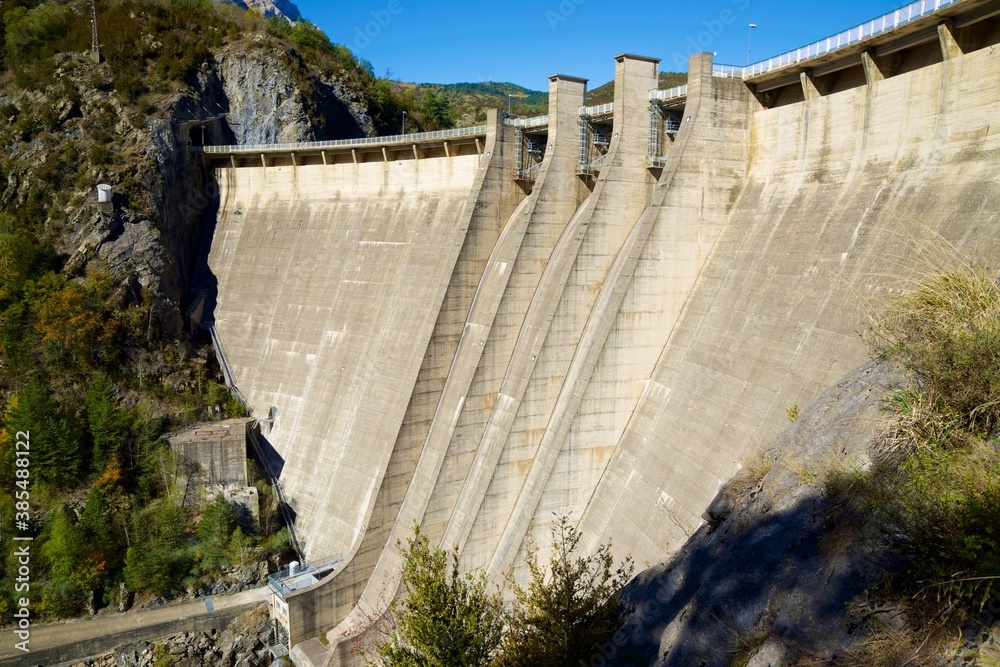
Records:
x=275, y=580
x=476, y=130
x=197, y=302
x=598, y=110
x=858, y=33
x=669, y=94
x=728, y=71
x=534, y=121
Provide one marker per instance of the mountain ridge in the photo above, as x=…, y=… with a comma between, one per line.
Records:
x=270, y=8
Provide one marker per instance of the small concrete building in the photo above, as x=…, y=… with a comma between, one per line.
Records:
x=215, y=458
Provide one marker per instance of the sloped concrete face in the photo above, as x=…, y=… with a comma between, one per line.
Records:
x=847, y=196
x=330, y=280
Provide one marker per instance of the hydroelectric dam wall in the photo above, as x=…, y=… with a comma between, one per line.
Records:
x=596, y=313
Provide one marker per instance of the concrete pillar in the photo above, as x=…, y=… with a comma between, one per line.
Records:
x=872, y=71
x=810, y=89
x=878, y=68
x=635, y=76
x=700, y=75
x=493, y=129
x=566, y=96
x=950, y=48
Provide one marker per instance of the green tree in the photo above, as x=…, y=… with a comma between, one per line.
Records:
x=215, y=530
x=31, y=34
x=307, y=35
x=569, y=609
x=105, y=422
x=436, y=111
x=95, y=522
x=445, y=618
x=74, y=570
x=158, y=559
x=54, y=443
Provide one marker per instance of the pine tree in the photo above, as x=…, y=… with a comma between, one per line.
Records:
x=157, y=559
x=214, y=531
x=54, y=443
x=104, y=420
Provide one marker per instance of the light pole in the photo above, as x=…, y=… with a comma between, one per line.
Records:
x=402, y=129
x=510, y=96
x=749, y=32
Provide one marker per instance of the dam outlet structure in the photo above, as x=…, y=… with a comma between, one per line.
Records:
x=596, y=313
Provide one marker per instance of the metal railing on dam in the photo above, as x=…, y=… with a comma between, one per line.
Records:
x=286, y=582
x=599, y=110
x=858, y=33
x=475, y=130
x=534, y=121
x=668, y=94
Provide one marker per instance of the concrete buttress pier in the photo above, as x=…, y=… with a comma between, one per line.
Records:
x=457, y=336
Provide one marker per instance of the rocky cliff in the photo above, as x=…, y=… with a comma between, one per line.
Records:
x=280, y=8
x=251, y=93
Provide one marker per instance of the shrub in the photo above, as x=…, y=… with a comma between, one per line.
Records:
x=32, y=34
x=445, y=618
x=935, y=490
x=947, y=333
x=568, y=609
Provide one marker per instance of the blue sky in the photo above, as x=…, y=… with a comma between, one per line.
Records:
x=524, y=42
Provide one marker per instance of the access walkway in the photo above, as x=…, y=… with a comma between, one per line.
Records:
x=74, y=640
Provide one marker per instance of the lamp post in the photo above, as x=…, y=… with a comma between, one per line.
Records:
x=510, y=96
x=749, y=32
x=402, y=129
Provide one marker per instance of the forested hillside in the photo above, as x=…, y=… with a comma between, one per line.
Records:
x=97, y=361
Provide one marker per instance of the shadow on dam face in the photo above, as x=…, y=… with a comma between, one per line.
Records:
x=272, y=462
x=201, y=313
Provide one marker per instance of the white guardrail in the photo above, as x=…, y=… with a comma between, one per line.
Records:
x=348, y=143
x=669, y=94
x=858, y=33
x=598, y=110
x=534, y=121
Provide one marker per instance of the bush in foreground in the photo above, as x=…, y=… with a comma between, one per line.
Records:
x=935, y=492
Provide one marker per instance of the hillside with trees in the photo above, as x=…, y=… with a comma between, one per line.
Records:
x=97, y=362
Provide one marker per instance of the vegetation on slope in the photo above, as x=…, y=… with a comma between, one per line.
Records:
x=568, y=610
x=85, y=367
x=933, y=492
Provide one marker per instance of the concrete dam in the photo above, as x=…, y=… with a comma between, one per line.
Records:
x=596, y=313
